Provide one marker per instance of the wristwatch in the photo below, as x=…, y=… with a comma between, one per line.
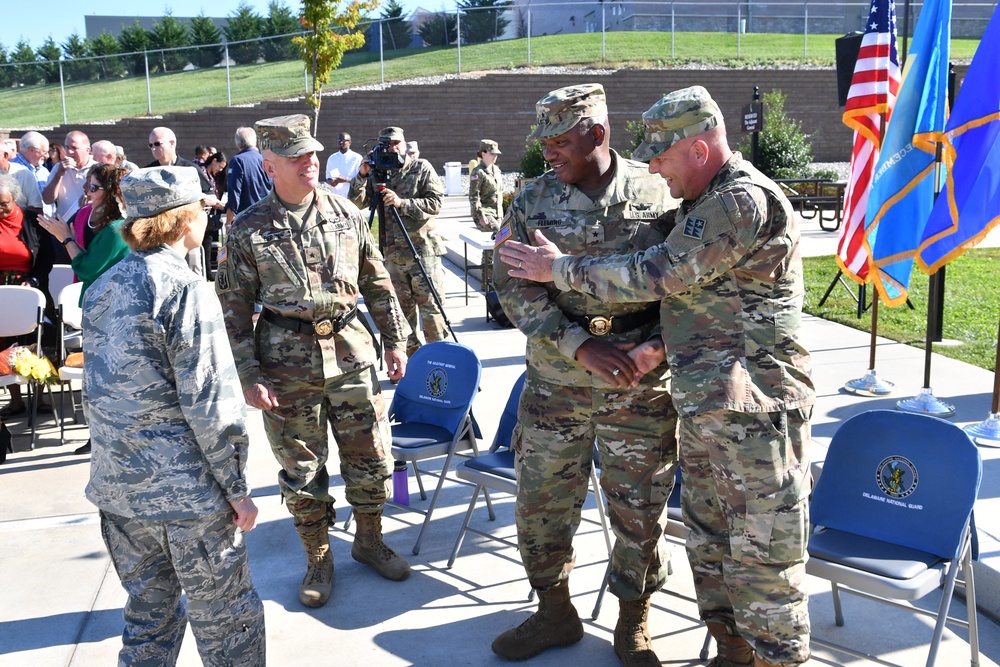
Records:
x=67, y=240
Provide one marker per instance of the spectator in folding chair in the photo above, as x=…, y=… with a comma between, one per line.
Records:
x=580, y=382
x=307, y=255
x=730, y=279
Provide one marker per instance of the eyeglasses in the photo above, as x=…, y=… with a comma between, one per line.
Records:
x=157, y=144
x=94, y=188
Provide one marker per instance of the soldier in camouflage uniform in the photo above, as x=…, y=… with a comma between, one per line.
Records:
x=169, y=441
x=579, y=382
x=486, y=200
x=415, y=192
x=306, y=254
x=730, y=280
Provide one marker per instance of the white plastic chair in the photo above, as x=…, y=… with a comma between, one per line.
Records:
x=71, y=337
x=23, y=309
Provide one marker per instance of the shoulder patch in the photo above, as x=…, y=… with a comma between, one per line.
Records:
x=503, y=234
x=729, y=202
x=694, y=228
x=221, y=257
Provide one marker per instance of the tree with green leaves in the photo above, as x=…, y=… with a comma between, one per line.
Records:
x=784, y=150
x=134, y=39
x=207, y=38
x=27, y=73
x=50, y=52
x=396, y=31
x=244, y=24
x=438, y=29
x=330, y=31
x=483, y=20
x=78, y=65
x=6, y=73
x=108, y=67
x=168, y=35
x=280, y=21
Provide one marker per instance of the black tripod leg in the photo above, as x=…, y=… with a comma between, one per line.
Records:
x=829, y=289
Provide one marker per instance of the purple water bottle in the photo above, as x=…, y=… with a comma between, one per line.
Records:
x=400, y=484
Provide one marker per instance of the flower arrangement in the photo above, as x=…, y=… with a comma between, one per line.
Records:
x=21, y=360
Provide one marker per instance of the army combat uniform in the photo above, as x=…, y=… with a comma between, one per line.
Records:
x=486, y=202
x=564, y=406
x=169, y=450
x=730, y=279
x=418, y=185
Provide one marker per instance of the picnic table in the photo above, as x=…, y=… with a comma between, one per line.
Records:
x=818, y=198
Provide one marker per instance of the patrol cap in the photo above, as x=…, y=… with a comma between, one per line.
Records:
x=411, y=147
x=286, y=136
x=391, y=134
x=679, y=115
x=489, y=146
x=560, y=111
x=151, y=191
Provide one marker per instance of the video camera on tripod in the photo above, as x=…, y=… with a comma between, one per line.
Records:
x=383, y=159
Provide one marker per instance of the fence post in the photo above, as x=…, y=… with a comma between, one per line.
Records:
x=739, y=33
x=458, y=36
x=149, y=92
x=672, y=30
x=381, y=53
x=603, y=26
x=229, y=88
x=805, y=33
x=529, y=36
x=62, y=89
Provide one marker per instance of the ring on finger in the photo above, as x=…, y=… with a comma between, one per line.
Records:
x=616, y=372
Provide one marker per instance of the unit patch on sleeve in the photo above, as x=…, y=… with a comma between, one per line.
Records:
x=694, y=227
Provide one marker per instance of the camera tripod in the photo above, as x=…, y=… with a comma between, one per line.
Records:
x=377, y=183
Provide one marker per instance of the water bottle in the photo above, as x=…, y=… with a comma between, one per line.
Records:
x=400, y=483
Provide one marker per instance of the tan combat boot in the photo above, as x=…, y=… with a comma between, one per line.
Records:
x=556, y=623
x=734, y=651
x=368, y=548
x=632, y=642
x=315, y=588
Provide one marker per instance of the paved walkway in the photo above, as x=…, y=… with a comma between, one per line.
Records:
x=60, y=601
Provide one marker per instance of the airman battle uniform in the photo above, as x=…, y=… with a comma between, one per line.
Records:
x=730, y=279
x=564, y=406
x=418, y=185
x=307, y=268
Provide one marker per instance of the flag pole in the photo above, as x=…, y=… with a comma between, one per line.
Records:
x=925, y=402
x=988, y=431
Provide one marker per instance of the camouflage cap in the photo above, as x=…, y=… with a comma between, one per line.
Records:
x=391, y=134
x=412, y=147
x=679, y=115
x=560, y=111
x=489, y=146
x=286, y=136
x=149, y=192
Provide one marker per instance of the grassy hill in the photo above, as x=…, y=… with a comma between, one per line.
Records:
x=95, y=101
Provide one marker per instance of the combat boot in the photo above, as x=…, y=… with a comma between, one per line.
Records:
x=315, y=588
x=556, y=623
x=632, y=642
x=734, y=651
x=368, y=548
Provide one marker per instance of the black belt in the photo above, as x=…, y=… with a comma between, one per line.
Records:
x=601, y=325
x=323, y=327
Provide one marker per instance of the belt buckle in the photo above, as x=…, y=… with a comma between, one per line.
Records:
x=323, y=327
x=600, y=325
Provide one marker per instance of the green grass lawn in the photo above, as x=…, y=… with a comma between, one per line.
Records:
x=41, y=105
x=971, y=306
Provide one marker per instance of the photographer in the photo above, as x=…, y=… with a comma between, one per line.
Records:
x=415, y=192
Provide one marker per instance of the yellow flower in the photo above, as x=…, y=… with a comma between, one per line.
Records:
x=27, y=364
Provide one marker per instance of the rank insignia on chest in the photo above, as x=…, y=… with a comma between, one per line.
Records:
x=694, y=227
x=595, y=234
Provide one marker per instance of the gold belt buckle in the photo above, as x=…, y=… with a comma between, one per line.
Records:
x=323, y=327
x=600, y=325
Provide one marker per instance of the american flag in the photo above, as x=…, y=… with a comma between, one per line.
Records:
x=872, y=94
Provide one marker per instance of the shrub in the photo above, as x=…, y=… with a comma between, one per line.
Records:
x=784, y=150
x=532, y=163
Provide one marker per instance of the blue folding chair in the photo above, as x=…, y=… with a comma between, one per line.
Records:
x=431, y=413
x=893, y=516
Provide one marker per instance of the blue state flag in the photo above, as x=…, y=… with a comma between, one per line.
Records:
x=902, y=193
x=969, y=206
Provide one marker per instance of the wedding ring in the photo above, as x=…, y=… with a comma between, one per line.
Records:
x=520, y=264
x=616, y=372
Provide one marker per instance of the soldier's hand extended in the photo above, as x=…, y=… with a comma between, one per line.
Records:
x=647, y=356
x=531, y=262
x=390, y=198
x=395, y=363
x=244, y=514
x=261, y=396
x=606, y=360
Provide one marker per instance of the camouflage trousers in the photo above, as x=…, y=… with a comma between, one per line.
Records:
x=205, y=558
x=353, y=407
x=416, y=298
x=554, y=441
x=486, y=269
x=745, y=499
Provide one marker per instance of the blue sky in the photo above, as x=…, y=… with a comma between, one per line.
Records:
x=34, y=20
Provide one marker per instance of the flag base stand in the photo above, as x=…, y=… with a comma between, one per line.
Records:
x=986, y=432
x=870, y=385
x=925, y=403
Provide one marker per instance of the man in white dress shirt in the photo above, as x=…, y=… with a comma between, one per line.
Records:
x=342, y=166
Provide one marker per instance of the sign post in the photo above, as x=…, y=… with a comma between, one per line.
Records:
x=753, y=121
